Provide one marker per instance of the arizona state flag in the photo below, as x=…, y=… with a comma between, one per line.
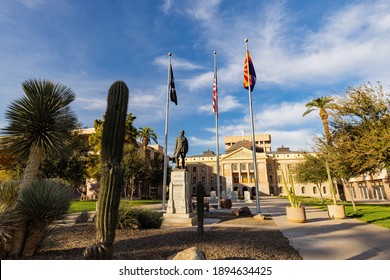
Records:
x=252, y=72
x=172, y=89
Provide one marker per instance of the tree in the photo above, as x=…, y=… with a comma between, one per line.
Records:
x=135, y=168
x=146, y=134
x=312, y=170
x=95, y=140
x=361, y=129
x=322, y=104
x=39, y=122
x=70, y=165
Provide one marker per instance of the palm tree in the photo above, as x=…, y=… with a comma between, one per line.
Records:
x=323, y=104
x=146, y=134
x=39, y=122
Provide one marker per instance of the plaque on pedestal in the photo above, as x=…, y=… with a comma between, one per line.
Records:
x=179, y=208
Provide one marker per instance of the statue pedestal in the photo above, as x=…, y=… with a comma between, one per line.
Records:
x=179, y=208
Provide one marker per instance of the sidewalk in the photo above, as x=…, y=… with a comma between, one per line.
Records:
x=322, y=238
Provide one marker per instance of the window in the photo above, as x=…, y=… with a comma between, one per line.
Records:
x=303, y=190
x=250, y=166
x=234, y=167
x=194, y=169
x=203, y=179
x=279, y=179
x=314, y=190
x=194, y=180
x=324, y=190
x=203, y=168
x=244, y=178
x=243, y=166
x=236, y=179
x=270, y=179
x=269, y=167
x=212, y=180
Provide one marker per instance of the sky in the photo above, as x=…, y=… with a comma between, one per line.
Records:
x=301, y=50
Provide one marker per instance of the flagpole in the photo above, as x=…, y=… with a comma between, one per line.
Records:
x=253, y=130
x=216, y=130
x=166, y=137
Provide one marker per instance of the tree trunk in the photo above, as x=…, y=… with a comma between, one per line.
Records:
x=321, y=196
x=29, y=175
x=35, y=235
x=34, y=161
x=324, y=118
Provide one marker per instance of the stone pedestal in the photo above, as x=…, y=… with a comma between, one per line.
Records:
x=179, y=207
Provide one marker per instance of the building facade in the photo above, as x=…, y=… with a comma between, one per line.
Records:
x=237, y=172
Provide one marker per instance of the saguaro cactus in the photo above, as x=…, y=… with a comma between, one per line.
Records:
x=200, y=206
x=111, y=177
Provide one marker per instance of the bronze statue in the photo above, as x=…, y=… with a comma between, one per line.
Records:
x=181, y=149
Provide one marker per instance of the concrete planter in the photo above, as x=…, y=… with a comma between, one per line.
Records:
x=296, y=214
x=336, y=211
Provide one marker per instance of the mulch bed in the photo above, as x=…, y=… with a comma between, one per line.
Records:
x=242, y=238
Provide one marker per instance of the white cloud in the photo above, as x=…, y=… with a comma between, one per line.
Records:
x=177, y=63
x=226, y=103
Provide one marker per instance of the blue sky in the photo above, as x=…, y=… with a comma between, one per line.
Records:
x=300, y=50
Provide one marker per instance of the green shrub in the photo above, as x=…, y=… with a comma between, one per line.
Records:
x=137, y=218
x=40, y=203
x=83, y=217
x=44, y=200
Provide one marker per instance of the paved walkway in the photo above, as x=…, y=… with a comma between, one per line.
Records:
x=322, y=238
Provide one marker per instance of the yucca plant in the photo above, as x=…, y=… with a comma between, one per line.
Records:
x=9, y=191
x=40, y=203
x=290, y=190
x=8, y=217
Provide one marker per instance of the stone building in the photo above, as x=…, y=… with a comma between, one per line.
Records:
x=237, y=173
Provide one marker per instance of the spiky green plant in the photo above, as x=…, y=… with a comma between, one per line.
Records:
x=290, y=190
x=9, y=191
x=9, y=219
x=113, y=137
x=40, y=203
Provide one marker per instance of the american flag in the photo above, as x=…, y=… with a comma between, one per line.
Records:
x=215, y=93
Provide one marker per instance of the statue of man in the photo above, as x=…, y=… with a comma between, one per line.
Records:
x=181, y=149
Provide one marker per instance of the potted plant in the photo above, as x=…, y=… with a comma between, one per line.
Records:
x=295, y=212
x=335, y=211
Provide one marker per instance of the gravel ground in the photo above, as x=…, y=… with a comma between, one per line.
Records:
x=232, y=238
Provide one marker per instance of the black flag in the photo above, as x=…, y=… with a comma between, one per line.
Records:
x=172, y=89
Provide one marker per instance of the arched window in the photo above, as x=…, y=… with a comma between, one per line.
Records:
x=303, y=190
x=314, y=190
x=324, y=190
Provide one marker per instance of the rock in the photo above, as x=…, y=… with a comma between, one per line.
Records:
x=259, y=217
x=226, y=203
x=242, y=212
x=192, y=253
